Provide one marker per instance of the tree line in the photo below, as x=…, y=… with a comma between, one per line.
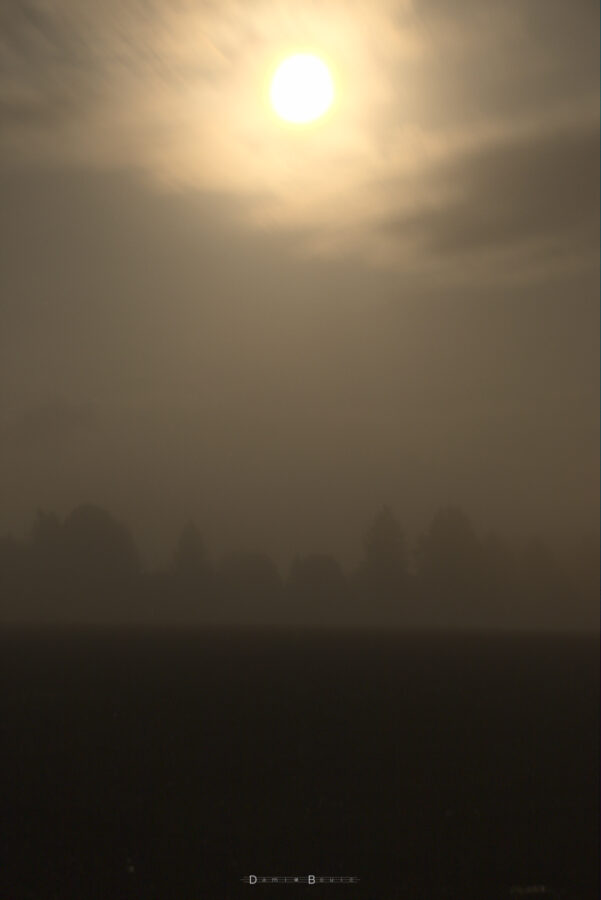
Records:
x=86, y=568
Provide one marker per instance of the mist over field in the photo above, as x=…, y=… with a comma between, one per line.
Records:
x=86, y=568
x=299, y=449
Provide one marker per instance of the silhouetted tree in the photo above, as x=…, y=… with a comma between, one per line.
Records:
x=99, y=549
x=383, y=575
x=54, y=572
x=63, y=565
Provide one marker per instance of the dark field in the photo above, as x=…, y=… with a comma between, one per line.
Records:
x=171, y=764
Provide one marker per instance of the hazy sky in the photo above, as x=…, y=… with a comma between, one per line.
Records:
x=206, y=313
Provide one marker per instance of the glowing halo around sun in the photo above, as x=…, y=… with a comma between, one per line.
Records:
x=301, y=89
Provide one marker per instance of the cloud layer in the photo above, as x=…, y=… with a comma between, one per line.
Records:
x=459, y=132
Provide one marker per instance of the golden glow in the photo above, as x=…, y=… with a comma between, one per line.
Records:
x=302, y=89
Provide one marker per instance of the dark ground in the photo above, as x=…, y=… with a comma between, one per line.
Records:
x=142, y=764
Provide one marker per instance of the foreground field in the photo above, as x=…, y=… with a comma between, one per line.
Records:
x=172, y=764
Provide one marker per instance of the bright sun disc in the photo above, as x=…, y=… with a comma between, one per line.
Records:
x=302, y=88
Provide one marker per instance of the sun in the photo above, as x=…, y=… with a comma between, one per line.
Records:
x=302, y=88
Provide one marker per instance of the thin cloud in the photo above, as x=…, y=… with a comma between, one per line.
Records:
x=544, y=189
x=434, y=99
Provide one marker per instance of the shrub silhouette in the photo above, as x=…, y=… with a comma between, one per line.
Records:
x=316, y=582
x=246, y=578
